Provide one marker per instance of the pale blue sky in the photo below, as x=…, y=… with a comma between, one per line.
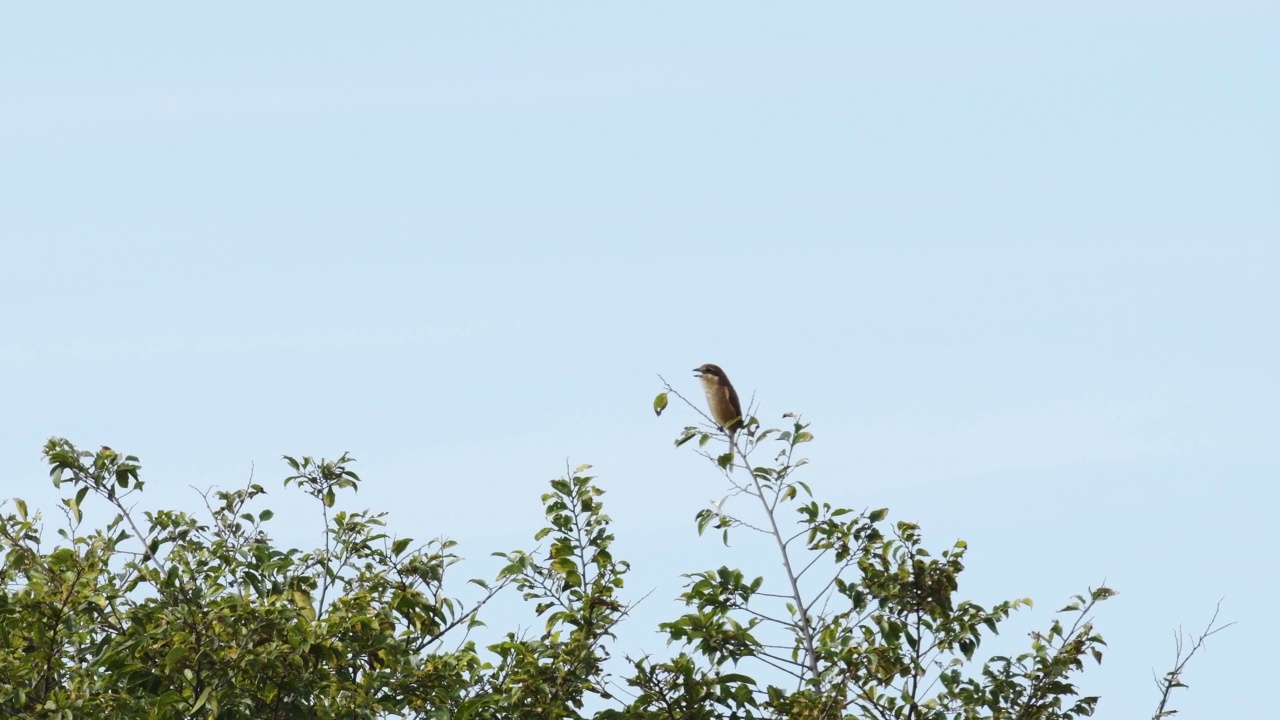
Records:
x=1016, y=263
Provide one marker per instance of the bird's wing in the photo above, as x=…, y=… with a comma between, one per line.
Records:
x=734, y=403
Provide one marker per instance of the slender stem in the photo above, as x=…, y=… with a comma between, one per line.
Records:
x=328, y=558
x=1173, y=678
x=806, y=631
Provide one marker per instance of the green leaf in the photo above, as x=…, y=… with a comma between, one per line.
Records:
x=201, y=700
x=704, y=518
x=302, y=601
x=659, y=403
x=74, y=507
x=564, y=566
x=175, y=656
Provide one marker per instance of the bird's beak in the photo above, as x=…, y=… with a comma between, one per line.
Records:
x=697, y=372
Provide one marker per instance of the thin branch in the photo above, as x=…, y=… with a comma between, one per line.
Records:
x=468, y=614
x=799, y=534
x=328, y=558
x=1173, y=678
x=815, y=559
x=762, y=616
x=776, y=663
x=806, y=632
x=666, y=386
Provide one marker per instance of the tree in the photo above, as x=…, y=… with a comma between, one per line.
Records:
x=171, y=614
x=879, y=634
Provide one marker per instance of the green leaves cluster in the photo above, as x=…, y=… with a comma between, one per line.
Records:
x=860, y=620
x=171, y=614
x=575, y=587
x=186, y=616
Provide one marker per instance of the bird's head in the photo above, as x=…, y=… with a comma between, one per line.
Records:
x=708, y=370
x=711, y=375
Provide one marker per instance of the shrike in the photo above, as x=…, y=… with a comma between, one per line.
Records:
x=722, y=399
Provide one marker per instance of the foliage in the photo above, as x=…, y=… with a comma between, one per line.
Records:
x=208, y=618
x=170, y=614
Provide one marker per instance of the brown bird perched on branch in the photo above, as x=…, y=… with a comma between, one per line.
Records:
x=722, y=399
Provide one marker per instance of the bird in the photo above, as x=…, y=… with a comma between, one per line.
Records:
x=722, y=399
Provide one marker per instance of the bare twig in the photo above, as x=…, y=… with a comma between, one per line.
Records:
x=1173, y=678
x=466, y=616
